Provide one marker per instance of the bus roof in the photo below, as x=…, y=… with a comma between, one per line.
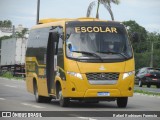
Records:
x=42, y=21
x=61, y=21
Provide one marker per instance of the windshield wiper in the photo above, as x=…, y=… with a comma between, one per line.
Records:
x=113, y=52
x=89, y=53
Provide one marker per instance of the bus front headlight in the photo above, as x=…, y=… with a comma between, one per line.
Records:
x=127, y=74
x=78, y=75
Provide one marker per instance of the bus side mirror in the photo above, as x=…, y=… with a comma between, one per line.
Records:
x=135, y=37
x=70, y=46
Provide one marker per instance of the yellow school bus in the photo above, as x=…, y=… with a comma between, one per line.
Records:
x=83, y=59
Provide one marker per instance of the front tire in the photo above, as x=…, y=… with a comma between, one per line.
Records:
x=158, y=85
x=122, y=102
x=148, y=85
x=64, y=102
x=140, y=83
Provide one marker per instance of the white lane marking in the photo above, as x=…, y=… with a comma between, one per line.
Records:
x=35, y=106
x=2, y=99
x=11, y=86
x=86, y=118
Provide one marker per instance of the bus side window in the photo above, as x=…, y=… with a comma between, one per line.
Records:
x=37, y=45
x=60, y=62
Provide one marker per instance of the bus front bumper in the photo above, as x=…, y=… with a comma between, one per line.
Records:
x=98, y=93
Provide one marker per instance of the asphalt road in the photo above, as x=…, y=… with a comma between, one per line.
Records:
x=14, y=97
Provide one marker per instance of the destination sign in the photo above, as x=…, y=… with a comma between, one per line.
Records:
x=96, y=29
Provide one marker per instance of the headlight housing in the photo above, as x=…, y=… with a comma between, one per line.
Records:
x=127, y=74
x=78, y=75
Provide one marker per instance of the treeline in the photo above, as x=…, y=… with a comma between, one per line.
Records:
x=6, y=24
x=143, y=46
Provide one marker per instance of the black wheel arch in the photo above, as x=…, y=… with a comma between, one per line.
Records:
x=34, y=84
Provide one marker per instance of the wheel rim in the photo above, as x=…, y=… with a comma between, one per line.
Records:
x=139, y=83
x=36, y=93
x=61, y=98
x=60, y=94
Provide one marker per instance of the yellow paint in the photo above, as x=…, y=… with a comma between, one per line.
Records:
x=41, y=71
x=31, y=63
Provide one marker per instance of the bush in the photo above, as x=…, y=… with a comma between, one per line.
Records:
x=7, y=75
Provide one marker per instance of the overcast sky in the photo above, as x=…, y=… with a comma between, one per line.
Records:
x=144, y=12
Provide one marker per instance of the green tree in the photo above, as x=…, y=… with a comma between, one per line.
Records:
x=1, y=22
x=22, y=33
x=139, y=46
x=105, y=3
x=143, y=47
x=134, y=27
x=6, y=24
x=9, y=24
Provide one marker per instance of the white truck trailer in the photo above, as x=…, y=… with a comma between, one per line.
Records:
x=13, y=56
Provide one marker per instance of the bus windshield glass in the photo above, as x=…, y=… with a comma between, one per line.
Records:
x=98, y=42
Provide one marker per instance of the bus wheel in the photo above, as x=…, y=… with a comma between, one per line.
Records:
x=140, y=83
x=148, y=85
x=38, y=98
x=122, y=102
x=158, y=85
x=64, y=102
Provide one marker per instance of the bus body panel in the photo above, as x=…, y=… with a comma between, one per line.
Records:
x=43, y=89
x=29, y=83
x=84, y=89
x=33, y=66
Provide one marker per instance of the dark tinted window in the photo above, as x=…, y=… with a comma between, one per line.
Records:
x=37, y=44
x=60, y=60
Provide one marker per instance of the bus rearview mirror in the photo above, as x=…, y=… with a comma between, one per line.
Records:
x=135, y=37
x=70, y=47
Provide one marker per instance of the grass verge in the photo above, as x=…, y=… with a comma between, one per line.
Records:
x=147, y=92
x=9, y=75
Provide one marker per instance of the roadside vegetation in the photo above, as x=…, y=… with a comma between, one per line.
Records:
x=106, y=4
x=143, y=49
x=145, y=86
x=9, y=75
x=7, y=24
x=147, y=92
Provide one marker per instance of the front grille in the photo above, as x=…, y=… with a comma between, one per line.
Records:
x=102, y=76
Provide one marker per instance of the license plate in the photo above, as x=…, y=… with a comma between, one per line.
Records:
x=103, y=94
x=154, y=79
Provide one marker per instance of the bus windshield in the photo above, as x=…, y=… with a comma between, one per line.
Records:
x=97, y=43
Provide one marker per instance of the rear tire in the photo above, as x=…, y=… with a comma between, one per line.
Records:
x=148, y=85
x=64, y=102
x=40, y=99
x=122, y=102
x=158, y=85
x=140, y=83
